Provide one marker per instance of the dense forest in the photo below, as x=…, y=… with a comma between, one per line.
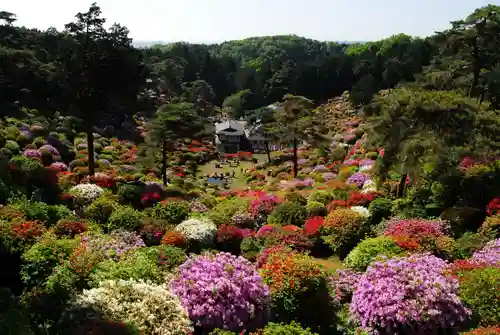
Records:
x=260, y=70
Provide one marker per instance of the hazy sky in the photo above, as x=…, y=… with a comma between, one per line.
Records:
x=220, y=20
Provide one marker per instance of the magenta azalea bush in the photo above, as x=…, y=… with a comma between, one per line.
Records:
x=358, y=179
x=408, y=295
x=343, y=284
x=32, y=153
x=489, y=254
x=222, y=291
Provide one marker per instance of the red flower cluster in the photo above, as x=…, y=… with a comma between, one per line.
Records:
x=419, y=229
x=337, y=204
x=28, y=229
x=361, y=199
x=70, y=228
x=313, y=225
x=150, y=197
x=495, y=330
x=494, y=206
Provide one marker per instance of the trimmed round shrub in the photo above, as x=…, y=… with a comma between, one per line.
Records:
x=293, y=328
x=468, y=243
x=380, y=209
x=343, y=228
x=101, y=209
x=12, y=146
x=343, y=284
x=200, y=232
x=491, y=226
x=174, y=238
x=86, y=193
x=125, y=217
x=223, y=211
x=172, y=211
x=222, y=291
x=315, y=208
x=479, y=290
x=368, y=250
x=151, y=308
x=408, y=295
x=321, y=196
x=288, y=213
x=299, y=289
x=150, y=264
x=488, y=255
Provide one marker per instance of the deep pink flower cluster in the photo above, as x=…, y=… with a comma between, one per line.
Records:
x=343, y=284
x=222, y=291
x=416, y=228
x=488, y=255
x=59, y=166
x=408, y=295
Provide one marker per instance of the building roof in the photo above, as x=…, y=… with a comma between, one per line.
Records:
x=230, y=127
x=255, y=132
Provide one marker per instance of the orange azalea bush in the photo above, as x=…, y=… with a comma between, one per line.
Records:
x=298, y=287
x=342, y=228
x=175, y=239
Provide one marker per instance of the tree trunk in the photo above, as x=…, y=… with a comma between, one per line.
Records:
x=90, y=147
x=295, y=163
x=164, y=162
x=268, y=152
x=401, y=187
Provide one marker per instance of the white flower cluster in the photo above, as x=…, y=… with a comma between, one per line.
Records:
x=153, y=309
x=369, y=186
x=362, y=211
x=201, y=230
x=86, y=192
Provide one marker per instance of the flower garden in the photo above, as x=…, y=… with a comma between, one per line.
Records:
x=120, y=253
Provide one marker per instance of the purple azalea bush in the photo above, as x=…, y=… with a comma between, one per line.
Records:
x=408, y=295
x=489, y=254
x=358, y=179
x=222, y=291
x=343, y=284
x=113, y=245
x=53, y=151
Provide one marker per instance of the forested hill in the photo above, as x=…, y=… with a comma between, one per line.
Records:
x=252, y=72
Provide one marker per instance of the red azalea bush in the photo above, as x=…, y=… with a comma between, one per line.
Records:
x=276, y=236
x=494, y=206
x=420, y=229
x=313, y=225
x=175, y=239
x=152, y=232
x=27, y=230
x=229, y=237
x=70, y=228
x=361, y=199
x=335, y=204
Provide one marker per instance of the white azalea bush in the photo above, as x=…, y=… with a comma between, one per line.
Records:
x=200, y=231
x=153, y=309
x=86, y=193
x=361, y=211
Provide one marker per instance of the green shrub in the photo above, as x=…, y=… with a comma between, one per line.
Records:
x=27, y=165
x=101, y=209
x=293, y=328
x=129, y=194
x=5, y=153
x=11, y=133
x=368, y=250
x=58, y=212
x=296, y=197
x=32, y=210
x=479, y=290
x=173, y=192
x=315, y=208
x=224, y=211
x=43, y=257
x=288, y=213
x=321, y=196
x=174, y=211
x=468, y=243
x=142, y=264
x=380, y=209
x=125, y=217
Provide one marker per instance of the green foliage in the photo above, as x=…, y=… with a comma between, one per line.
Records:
x=174, y=211
x=223, y=211
x=293, y=328
x=129, y=194
x=145, y=263
x=321, y=196
x=380, y=209
x=368, y=250
x=125, y=217
x=288, y=213
x=43, y=257
x=470, y=242
x=101, y=209
x=479, y=290
x=33, y=210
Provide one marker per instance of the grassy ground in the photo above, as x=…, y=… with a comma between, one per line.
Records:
x=239, y=181
x=331, y=264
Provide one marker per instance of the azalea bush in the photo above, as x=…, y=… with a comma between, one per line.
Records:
x=299, y=289
x=172, y=211
x=400, y=295
x=370, y=249
x=153, y=309
x=199, y=232
x=342, y=228
x=343, y=284
x=222, y=291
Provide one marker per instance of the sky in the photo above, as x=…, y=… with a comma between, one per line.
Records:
x=210, y=21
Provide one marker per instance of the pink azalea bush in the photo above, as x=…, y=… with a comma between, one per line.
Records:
x=419, y=229
x=358, y=179
x=408, y=295
x=488, y=255
x=32, y=153
x=222, y=291
x=343, y=284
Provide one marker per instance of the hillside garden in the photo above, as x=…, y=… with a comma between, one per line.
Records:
x=381, y=217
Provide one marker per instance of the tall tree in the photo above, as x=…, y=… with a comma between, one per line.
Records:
x=8, y=17
x=103, y=73
x=172, y=123
x=296, y=123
